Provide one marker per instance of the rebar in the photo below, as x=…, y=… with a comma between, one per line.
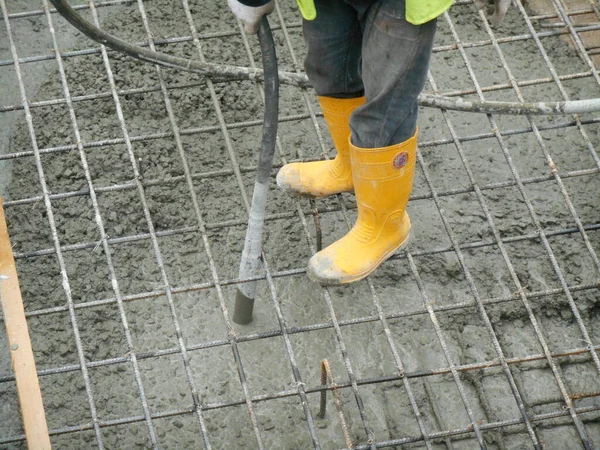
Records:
x=326, y=376
x=385, y=311
x=223, y=72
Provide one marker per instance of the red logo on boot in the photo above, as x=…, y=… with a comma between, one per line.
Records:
x=400, y=160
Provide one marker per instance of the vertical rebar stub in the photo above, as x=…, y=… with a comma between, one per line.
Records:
x=327, y=376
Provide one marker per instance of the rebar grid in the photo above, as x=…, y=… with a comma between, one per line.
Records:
x=52, y=224
x=580, y=428
x=430, y=430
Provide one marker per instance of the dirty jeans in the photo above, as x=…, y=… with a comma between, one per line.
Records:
x=366, y=47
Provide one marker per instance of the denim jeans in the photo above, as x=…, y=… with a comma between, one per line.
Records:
x=358, y=47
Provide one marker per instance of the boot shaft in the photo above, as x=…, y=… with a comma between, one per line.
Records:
x=383, y=179
x=337, y=112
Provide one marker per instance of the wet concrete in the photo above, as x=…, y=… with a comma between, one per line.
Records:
x=282, y=421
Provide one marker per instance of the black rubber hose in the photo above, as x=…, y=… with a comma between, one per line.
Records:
x=271, y=114
x=251, y=255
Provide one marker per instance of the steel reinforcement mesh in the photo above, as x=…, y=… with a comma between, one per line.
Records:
x=127, y=192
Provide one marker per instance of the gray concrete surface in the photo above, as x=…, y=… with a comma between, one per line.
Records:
x=282, y=421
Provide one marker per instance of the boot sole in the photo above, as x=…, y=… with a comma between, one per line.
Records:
x=296, y=194
x=363, y=275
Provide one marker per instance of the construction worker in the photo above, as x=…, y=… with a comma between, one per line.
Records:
x=367, y=60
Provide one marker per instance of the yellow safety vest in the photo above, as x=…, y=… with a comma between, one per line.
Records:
x=307, y=8
x=422, y=11
x=417, y=11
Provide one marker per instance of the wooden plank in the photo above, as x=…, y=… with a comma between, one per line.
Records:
x=28, y=386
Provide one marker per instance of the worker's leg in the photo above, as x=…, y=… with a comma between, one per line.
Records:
x=334, y=45
x=395, y=61
x=383, y=144
x=334, y=41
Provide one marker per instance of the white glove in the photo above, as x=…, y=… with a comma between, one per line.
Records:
x=250, y=15
x=496, y=9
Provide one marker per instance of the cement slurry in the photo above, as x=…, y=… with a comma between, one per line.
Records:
x=282, y=422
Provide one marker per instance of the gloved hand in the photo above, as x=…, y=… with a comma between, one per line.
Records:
x=250, y=15
x=496, y=9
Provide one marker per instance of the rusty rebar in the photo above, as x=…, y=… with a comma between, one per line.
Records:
x=318, y=230
x=325, y=377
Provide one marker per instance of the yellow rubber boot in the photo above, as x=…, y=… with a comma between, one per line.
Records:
x=323, y=178
x=383, y=179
